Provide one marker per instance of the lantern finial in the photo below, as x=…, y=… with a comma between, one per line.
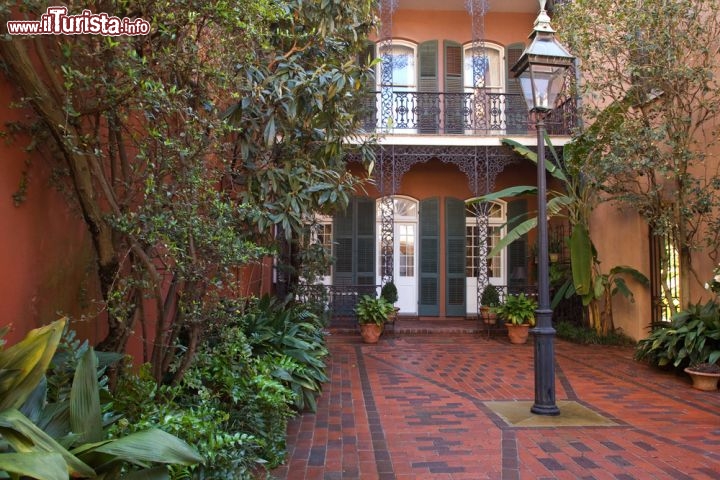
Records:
x=542, y=22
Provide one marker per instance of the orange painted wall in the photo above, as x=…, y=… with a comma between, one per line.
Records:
x=420, y=26
x=45, y=253
x=621, y=237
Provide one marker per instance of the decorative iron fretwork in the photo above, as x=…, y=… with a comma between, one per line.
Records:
x=387, y=9
x=386, y=169
x=386, y=184
x=480, y=164
x=479, y=99
x=420, y=112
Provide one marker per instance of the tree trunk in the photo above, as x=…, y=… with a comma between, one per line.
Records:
x=67, y=138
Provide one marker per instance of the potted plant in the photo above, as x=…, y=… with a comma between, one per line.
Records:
x=372, y=313
x=518, y=311
x=555, y=248
x=704, y=376
x=691, y=342
x=489, y=299
x=390, y=294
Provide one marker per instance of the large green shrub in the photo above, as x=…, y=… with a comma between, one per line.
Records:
x=259, y=362
x=693, y=337
x=200, y=417
x=293, y=335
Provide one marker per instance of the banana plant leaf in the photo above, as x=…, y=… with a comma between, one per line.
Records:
x=40, y=466
x=581, y=260
x=521, y=149
x=505, y=192
x=25, y=437
x=27, y=360
x=147, y=446
x=513, y=235
x=85, y=415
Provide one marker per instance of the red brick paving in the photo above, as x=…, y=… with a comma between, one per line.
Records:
x=411, y=407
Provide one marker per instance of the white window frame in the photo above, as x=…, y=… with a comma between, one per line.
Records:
x=494, y=222
x=468, y=72
x=410, y=87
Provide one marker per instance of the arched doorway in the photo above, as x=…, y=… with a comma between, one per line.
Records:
x=405, y=252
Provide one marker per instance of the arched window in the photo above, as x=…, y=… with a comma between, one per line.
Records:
x=490, y=65
x=402, y=60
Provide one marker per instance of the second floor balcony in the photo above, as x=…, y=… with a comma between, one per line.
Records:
x=482, y=112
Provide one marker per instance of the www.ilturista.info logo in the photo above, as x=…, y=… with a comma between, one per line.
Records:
x=56, y=21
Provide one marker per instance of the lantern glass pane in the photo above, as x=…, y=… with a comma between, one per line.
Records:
x=547, y=83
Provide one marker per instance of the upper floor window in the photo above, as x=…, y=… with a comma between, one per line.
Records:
x=403, y=63
x=488, y=62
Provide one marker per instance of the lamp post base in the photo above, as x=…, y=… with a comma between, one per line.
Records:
x=549, y=410
x=544, y=337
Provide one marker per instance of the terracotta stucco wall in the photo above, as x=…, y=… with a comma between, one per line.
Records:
x=621, y=238
x=45, y=253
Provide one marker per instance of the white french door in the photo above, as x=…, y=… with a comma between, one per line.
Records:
x=405, y=266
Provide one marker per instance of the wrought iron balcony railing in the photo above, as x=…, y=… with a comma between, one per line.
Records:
x=479, y=113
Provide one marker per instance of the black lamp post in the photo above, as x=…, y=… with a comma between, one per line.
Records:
x=541, y=71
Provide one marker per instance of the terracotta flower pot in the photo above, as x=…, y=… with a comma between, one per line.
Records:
x=370, y=332
x=488, y=317
x=518, y=334
x=707, y=382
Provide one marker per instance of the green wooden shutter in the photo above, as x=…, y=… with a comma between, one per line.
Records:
x=429, y=287
x=428, y=111
x=455, y=257
x=517, y=250
x=369, y=113
x=453, y=87
x=365, y=234
x=354, y=239
x=516, y=112
x=344, y=247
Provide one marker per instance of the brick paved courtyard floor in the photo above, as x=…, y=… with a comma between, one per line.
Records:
x=424, y=407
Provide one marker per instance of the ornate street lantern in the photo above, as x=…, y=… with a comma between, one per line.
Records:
x=541, y=71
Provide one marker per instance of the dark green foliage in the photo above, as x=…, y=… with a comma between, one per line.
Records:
x=202, y=417
x=65, y=431
x=389, y=292
x=259, y=362
x=490, y=296
x=292, y=335
x=373, y=310
x=588, y=336
x=693, y=337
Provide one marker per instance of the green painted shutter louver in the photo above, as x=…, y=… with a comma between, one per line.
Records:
x=365, y=262
x=516, y=113
x=429, y=289
x=517, y=250
x=354, y=239
x=455, y=257
x=454, y=98
x=369, y=113
x=427, y=105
